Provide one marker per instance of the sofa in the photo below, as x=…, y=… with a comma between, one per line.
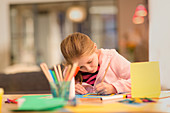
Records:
x=24, y=83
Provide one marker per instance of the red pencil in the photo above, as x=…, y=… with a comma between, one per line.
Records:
x=13, y=101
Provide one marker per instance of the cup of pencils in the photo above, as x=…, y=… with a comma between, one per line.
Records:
x=61, y=89
x=60, y=83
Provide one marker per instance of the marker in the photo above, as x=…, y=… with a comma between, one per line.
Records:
x=7, y=101
x=13, y=101
x=128, y=96
x=113, y=97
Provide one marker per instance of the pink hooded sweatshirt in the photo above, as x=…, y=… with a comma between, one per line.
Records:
x=118, y=73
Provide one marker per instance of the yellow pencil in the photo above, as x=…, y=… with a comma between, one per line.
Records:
x=105, y=72
x=60, y=72
x=46, y=72
x=56, y=72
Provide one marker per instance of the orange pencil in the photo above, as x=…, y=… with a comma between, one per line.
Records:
x=72, y=72
x=67, y=73
x=77, y=70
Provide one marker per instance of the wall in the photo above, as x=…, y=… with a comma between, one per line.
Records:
x=4, y=35
x=159, y=38
x=5, y=28
x=126, y=28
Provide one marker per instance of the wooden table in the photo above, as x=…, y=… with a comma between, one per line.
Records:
x=96, y=105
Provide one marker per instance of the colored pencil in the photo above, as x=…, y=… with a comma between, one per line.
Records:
x=106, y=71
x=67, y=73
x=56, y=72
x=13, y=101
x=77, y=70
x=46, y=72
x=52, y=75
x=55, y=77
x=60, y=73
x=72, y=72
x=49, y=77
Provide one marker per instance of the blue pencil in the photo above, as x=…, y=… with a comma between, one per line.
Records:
x=52, y=75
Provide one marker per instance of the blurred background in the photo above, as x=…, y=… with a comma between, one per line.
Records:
x=31, y=32
x=36, y=29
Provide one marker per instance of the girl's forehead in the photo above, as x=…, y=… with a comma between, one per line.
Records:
x=84, y=59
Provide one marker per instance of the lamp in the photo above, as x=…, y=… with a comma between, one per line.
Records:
x=137, y=19
x=140, y=10
x=76, y=13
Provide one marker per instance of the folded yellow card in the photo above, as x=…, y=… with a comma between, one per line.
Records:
x=145, y=79
x=1, y=94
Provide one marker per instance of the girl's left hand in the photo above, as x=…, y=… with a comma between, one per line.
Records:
x=104, y=88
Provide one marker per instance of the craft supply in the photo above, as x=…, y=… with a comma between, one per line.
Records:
x=59, y=87
x=106, y=71
x=40, y=103
x=60, y=72
x=67, y=73
x=94, y=95
x=72, y=72
x=77, y=70
x=1, y=96
x=46, y=72
x=57, y=74
x=121, y=96
x=52, y=75
x=145, y=80
x=7, y=101
x=55, y=78
x=137, y=100
x=11, y=101
x=55, y=90
x=128, y=96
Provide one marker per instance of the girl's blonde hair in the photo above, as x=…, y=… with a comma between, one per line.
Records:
x=76, y=45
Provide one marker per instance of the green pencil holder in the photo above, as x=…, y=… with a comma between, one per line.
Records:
x=61, y=89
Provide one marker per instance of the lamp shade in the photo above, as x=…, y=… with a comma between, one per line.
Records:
x=140, y=10
x=76, y=13
x=137, y=19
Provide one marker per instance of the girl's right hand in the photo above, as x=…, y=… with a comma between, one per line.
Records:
x=79, y=89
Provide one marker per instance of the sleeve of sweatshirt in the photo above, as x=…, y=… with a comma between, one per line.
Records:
x=121, y=67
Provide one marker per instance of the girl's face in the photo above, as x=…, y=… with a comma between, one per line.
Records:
x=88, y=63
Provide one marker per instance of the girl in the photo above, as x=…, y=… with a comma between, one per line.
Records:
x=78, y=47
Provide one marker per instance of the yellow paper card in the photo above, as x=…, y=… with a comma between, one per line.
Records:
x=1, y=94
x=145, y=80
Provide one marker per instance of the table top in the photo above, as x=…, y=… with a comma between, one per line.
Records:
x=97, y=105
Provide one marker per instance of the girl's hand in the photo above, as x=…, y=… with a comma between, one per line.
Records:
x=79, y=89
x=104, y=88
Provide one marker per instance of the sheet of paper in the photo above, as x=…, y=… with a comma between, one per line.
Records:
x=94, y=95
x=145, y=79
x=40, y=103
